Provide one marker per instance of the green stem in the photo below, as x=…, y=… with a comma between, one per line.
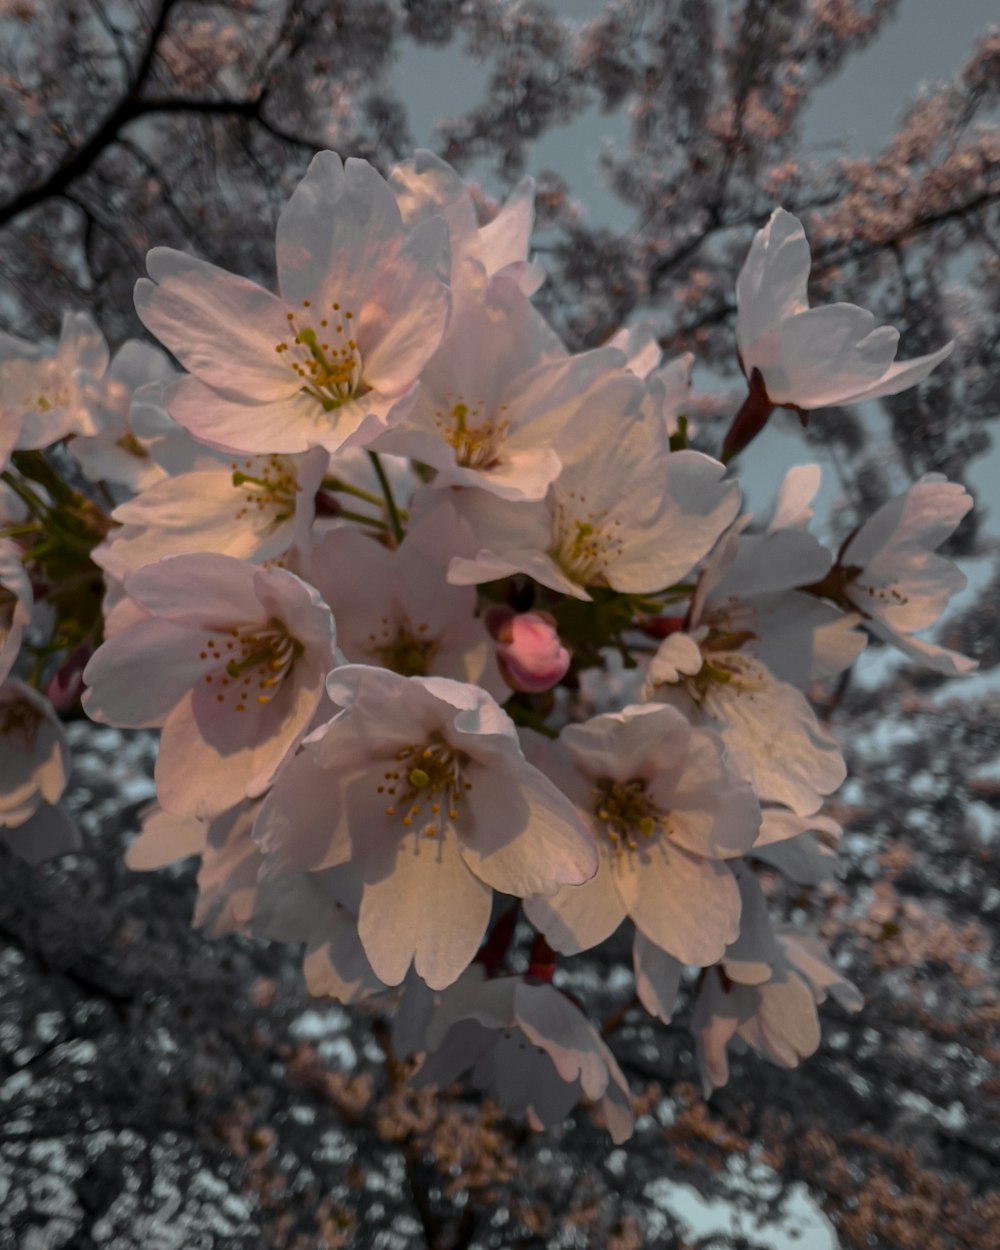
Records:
x=345, y=488
x=20, y=531
x=27, y=496
x=390, y=503
x=372, y=522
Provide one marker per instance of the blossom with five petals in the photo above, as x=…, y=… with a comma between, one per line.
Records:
x=331, y=362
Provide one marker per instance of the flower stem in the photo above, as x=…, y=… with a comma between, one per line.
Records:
x=345, y=488
x=390, y=502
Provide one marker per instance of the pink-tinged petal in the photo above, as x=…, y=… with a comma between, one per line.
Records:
x=902, y=375
x=48, y=832
x=402, y=919
x=643, y=740
x=688, y=906
x=522, y=836
x=291, y=424
x=751, y=958
x=711, y=810
x=792, y=505
x=505, y=240
x=657, y=978
x=917, y=521
x=714, y=1022
x=531, y=654
x=140, y=674
x=302, y=825
x=404, y=319
x=165, y=838
x=579, y=917
x=786, y=1028
x=517, y=475
x=222, y=328
x=804, y=859
x=811, y=961
x=772, y=283
x=927, y=654
x=827, y=353
x=212, y=757
x=199, y=587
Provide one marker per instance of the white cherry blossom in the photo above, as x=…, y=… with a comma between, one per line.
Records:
x=894, y=578
x=626, y=513
x=229, y=659
x=492, y=401
x=394, y=608
x=420, y=782
x=812, y=357
x=254, y=509
x=34, y=753
x=46, y=396
x=332, y=361
x=665, y=812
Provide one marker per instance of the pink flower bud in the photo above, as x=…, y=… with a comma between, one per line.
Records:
x=531, y=656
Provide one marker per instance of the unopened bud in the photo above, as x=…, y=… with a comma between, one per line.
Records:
x=531, y=656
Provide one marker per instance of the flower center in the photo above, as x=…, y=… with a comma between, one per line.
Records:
x=585, y=540
x=249, y=663
x=628, y=814
x=19, y=721
x=268, y=486
x=407, y=653
x=475, y=441
x=324, y=356
x=425, y=783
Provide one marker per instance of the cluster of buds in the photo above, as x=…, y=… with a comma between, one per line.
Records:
x=456, y=648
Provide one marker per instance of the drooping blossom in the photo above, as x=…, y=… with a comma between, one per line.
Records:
x=894, y=578
x=812, y=357
x=34, y=766
x=529, y=1048
x=316, y=909
x=776, y=1017
x=333, y=360
x=239, y=659
x=421, y=784
x=666, y=813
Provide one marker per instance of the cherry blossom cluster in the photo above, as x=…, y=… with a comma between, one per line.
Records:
x=464, y=663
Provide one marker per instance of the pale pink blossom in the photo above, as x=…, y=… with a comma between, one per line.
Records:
x=333, y=361
x=666, y=813
x=494, y=400
x=113, y=453
x=895, y=580
x=812, y=357
x=46, y=396
x=777, y=1017
x=529, y=1048
x=421, y=784
x=394, y=608
x=229, y=659
x=625, y=512
x=255, y=509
